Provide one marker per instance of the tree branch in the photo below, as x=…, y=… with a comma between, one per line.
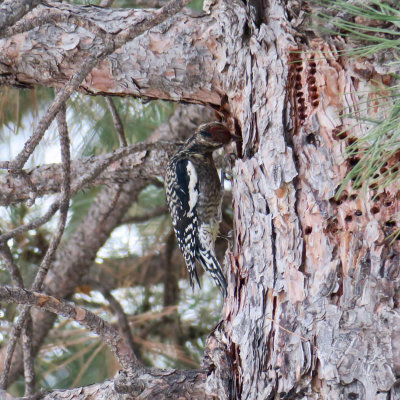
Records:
x=13, y=10
x=92, y=322
x=158, y=64
x=86, y=172
x=96, y=54
x=147, y=384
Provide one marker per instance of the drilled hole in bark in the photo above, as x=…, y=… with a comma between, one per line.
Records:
x=302, y=117
x=301, y=100
x=395, y=169
x=390, y=223
x=302, y=109
x=374, y=210
x=376, y=198
x=388, y=204
x=342, y=199
x=376, y=176
x=308, y=230
x=299, y=69
x=353, y=161
x=340, y=134
x=348, y=218
x=314, y=96
x=313, y=71
x=298, y=77
x=312, y=64
x=299, y=94
x=352, y=396
x=383, y=170
x=315, y=103
x=351, y=140
x=358, y=213
x=373, y=186
x=353, y=197
x=298, y=86
x=310, y=139
x=313, y=89
x=311, y=80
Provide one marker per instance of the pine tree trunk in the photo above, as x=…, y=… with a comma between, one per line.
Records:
x=312, y=310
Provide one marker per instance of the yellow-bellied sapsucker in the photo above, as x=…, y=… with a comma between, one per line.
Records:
x=194, y=195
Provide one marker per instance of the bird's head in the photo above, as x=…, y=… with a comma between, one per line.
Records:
x=214, y=135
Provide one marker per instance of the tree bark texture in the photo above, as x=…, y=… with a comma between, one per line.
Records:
x=312, y=306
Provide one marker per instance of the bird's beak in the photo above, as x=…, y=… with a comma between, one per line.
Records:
x=236, y=138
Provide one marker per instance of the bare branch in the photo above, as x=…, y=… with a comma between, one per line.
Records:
x=53, y=16
x=13, y=10
x=17, y=281
x=148, y=383
x=47, y=178
x=63, y=202
x=29, y=368
x=92, y=322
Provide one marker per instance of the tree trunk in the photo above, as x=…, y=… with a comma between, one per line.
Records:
x=312, y=305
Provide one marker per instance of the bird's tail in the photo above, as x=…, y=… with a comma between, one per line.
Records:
x=211, y=265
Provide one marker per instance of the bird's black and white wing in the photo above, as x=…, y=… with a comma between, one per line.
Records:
x=182, y=191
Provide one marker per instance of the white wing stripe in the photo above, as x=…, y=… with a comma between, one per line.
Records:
x=193, y=193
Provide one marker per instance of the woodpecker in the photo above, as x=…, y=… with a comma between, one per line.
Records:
x=194, y=196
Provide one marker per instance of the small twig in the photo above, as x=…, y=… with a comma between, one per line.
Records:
x=29, y=368
x=117, y=121
x=92, y=322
